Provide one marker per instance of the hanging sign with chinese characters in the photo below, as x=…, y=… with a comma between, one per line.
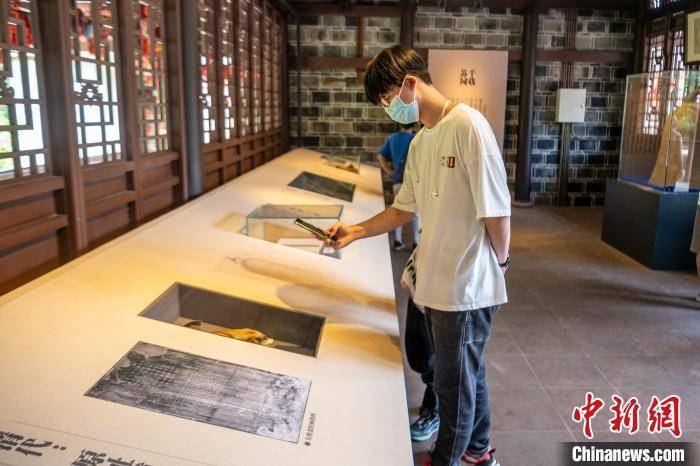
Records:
x=477, y=78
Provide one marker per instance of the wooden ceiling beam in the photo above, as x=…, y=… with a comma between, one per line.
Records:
x=544, y=4
x=592, y=56
x=316, y=9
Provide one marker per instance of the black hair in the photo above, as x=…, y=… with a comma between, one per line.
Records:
x=407, y=126
x=389, y=68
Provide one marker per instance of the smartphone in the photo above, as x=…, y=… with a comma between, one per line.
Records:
x=315, y=230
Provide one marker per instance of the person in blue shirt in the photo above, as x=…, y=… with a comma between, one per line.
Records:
x=394, y=152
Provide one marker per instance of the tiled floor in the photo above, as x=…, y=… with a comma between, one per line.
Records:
x=581, y=317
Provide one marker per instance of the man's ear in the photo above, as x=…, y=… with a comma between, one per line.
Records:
x=411, y=82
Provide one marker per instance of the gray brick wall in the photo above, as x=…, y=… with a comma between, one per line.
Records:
x=339, y=120
x=483, y=28
x=475, y=28
x=594, y=147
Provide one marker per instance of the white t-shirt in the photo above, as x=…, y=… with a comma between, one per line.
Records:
x=455, y=177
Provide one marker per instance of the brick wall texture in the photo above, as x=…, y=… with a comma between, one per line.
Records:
x=338, y=119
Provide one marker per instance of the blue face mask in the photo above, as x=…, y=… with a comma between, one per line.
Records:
x=401, y=112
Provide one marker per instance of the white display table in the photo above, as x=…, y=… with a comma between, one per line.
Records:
x=62, y=332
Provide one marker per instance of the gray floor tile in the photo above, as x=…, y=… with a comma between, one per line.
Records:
x=685, y=368
x=610, y=341
x=509, y=371
x=546, y=342
x=501, y=342
x=567, y=371
x=517, y=410
x=634, y=371
x=529, y=318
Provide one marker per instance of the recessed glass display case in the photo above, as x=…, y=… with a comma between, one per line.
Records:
x=323, y=185
x=659, y=130
x=349, y=163
x=237, y=318
x=275, y=223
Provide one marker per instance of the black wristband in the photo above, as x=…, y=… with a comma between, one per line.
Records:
x=506, y=263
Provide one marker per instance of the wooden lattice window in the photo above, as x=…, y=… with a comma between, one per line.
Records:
x=655, y=65
x=23, y=137
x=277, y=45
x=95, y=81
x=207, y=63
x=256, y=65
x=151, y=76
x=267, y=72
x=227, y=57
x=659, y=3
x=678, y=50
x=243, y=46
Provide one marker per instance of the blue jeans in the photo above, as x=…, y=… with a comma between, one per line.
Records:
x=419, y=353
x=460, y=382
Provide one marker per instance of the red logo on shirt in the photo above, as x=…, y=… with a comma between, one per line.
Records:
x=447, y=161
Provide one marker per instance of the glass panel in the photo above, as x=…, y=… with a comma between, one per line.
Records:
x=663, y=159
x=227, y=44
x=150, y=64
x=23, y=150
x=655, y=64
x=243, y=43
x=267, y=71
x=256, y=66
x=207, y=62
x=277, y=45
x=275, y=223
x=95, y=78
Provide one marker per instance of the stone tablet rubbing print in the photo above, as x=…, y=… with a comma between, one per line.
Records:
x=325, y=186
x=201, y=389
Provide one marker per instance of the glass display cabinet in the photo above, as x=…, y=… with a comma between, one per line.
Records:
x=659, y=131
x=349, y=163
x=275, y=223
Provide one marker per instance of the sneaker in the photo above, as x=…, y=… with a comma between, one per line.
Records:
x=487, y=459
x=398, y=246
x=425, y=426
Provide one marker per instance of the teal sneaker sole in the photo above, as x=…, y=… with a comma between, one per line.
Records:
x=426, y=436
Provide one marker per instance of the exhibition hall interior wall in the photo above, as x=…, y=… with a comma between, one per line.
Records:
x=339, y=120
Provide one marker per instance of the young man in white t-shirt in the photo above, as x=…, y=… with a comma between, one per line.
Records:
x=456, y=180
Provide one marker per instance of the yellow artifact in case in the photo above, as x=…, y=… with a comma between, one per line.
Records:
x=660, y=129
x=349, y=163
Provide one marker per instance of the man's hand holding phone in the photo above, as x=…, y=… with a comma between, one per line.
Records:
x=345, y=234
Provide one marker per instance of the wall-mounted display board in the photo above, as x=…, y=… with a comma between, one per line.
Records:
x=478, y=78
x=65, y=332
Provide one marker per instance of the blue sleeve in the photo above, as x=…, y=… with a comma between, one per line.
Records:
x=385, y=151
